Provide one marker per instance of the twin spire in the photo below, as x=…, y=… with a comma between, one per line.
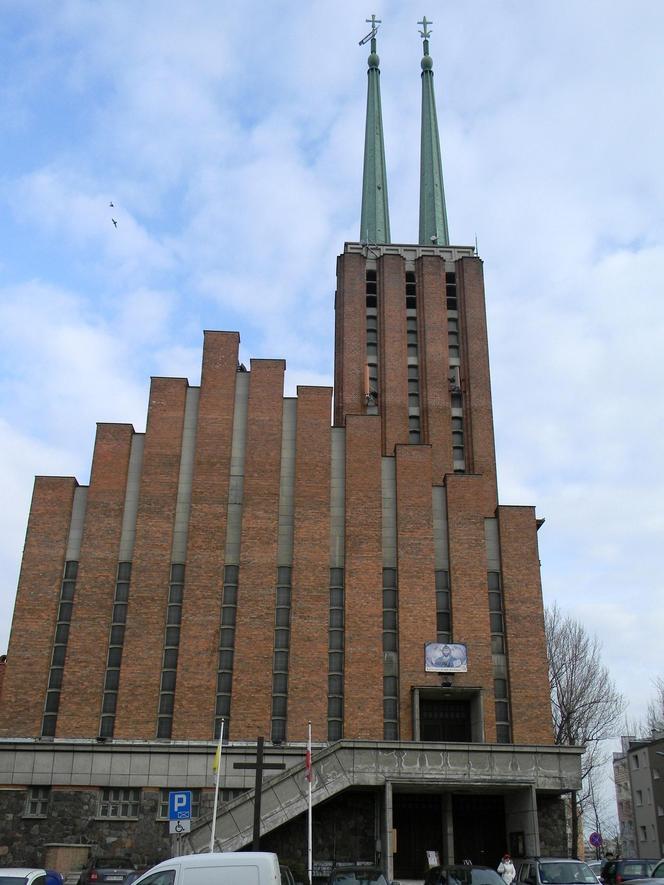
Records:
x=375, y=219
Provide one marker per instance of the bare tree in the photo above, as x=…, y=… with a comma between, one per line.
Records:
x=585, y=704
x=655, y=711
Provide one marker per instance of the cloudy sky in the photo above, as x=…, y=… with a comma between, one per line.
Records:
x=230, y=141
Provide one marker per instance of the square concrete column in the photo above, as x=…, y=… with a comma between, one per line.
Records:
x=448, y=829
x=521, y=817
x=386, y=835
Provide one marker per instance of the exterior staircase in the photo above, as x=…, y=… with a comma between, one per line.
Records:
x=346, y=763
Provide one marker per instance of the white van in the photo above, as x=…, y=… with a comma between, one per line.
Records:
x=227, y=868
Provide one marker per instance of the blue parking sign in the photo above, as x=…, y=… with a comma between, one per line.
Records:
x=179, y=805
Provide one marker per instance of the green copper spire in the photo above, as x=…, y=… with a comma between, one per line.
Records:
x=433, y=215
x=375, y=222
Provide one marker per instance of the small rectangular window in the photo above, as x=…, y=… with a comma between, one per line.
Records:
x=119, y=803
x=37, y=802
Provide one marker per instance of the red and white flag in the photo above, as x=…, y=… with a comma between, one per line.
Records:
x=308, y=772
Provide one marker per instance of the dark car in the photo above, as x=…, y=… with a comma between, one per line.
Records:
x=655, y=878
x=357, y=876
x=106, y=869
x=625, y=869
x=462, y=874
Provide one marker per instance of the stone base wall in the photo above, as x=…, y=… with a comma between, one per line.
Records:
x=72, y=817
x=344, y=831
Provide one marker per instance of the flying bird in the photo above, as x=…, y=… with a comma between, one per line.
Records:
x=111, y=205
x=114, y=222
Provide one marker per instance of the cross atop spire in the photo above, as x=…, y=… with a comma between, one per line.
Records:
x=375, y=221
x=425, y=33
x=433, y=214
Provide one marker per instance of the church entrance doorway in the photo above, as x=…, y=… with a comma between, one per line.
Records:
x=479, y=829
x=418, y=821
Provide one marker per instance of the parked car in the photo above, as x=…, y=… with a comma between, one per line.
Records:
x=628, y=868
x=106, y=869
x=247, y=867
x=354, y=875
x=287, y=877
x=462, y=874
x=655, y=878
x=553, y=871
x=22, y=876
x=596, y=866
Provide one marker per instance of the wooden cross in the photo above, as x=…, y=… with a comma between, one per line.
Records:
x=259, y=766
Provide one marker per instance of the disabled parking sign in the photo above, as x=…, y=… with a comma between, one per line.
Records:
x=179, y=805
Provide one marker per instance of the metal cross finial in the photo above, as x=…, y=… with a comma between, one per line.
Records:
x=374, y=22
x=426, y=33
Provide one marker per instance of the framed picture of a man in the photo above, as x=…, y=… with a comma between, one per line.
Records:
x=445, y=657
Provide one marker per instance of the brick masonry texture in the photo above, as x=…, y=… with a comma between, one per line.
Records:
x=35, y=612
x=351, y=335
x=524, y=625
x=194, y=711
x=476, y=381
x=138, y=695
x=310, y=597
x=393, y=356
x=363, y=700
x=469, y=590
x=251, y=703
x=83, y=682
x=434, y=363
x=417, y=592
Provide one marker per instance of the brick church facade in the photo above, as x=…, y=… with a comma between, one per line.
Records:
x=247, y=560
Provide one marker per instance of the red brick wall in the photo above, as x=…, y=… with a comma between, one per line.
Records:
x=469, y=590
x=478, y=431
x=417, y=592
x=310, y=598
x=193, y=716
x=434, y=363
x=251, y=703
x=524, y=625
x=351, y=334
x=392, y=362
x=363, y=701
x=83, y=680
x=35, y=611
x=138, y=694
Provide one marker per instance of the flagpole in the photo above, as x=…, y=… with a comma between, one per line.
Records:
x=217, y=760
x=310, y=862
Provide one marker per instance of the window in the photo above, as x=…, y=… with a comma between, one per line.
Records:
x=163, y=803
x=443, y=615
x=121, y=802
x=171, y=644
x=59, y=652
x=335, y=679
x=36, y=804
x=390, y=665
x=115, y=645
x=451, y=291
x=281, y=654
x=643, y=834
x=226, y=647
x=635, y=760
x=639, y=797
x=163, y=877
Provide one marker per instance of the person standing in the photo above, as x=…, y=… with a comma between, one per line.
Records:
x=506, y=869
